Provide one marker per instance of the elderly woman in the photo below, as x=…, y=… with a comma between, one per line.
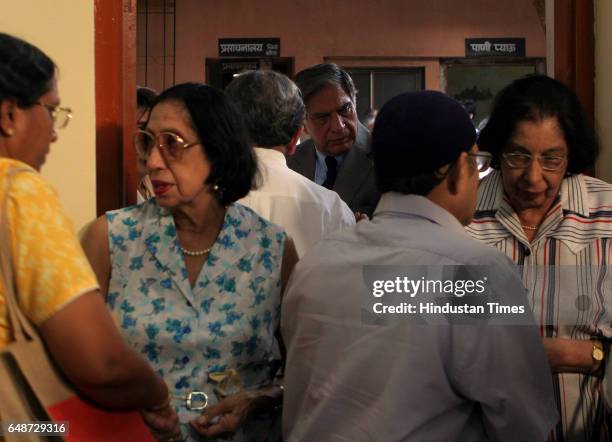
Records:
x=53, y=282
x=193, y=279
x=556, y=224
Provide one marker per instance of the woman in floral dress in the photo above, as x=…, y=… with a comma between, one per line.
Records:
x=194, y=280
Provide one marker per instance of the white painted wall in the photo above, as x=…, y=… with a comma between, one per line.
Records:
x=603, y=86
x=64, y=30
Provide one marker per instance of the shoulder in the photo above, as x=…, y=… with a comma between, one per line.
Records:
x=363, y=139
x=96, y=231
x=303, y=152
x=311, y=190
x=455, y=246
x=135, y=212
x=33, y=203
x=25, y=182
x=327, y=200
x=243, y=218
x=599, y=194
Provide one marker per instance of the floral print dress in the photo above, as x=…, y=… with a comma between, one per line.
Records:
x=225, y=322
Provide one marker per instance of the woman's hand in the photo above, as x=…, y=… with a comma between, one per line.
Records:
x=163, y=423
x=569, y=355
x=234, y=412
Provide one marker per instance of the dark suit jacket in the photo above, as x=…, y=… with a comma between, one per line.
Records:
x=355, y=182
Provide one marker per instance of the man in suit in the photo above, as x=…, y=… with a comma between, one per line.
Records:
x=337, y=154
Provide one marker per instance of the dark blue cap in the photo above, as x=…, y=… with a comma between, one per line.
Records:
x=419, y=132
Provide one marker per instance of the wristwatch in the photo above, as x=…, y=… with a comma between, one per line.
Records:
x=597, y=355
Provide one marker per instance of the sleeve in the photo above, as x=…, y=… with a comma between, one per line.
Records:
x=50, y=267
x=500, y=363
x=340, y=217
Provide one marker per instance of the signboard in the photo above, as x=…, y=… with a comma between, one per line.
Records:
x=494, y=47
x=249, y=47
x=238, y=66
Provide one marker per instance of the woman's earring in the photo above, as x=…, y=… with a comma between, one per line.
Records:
x=218, y=191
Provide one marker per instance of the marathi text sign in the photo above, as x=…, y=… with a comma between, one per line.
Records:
x=497, y=47
x=249, y=47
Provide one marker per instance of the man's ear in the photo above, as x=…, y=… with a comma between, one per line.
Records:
x=459, y=174
x=292, y=146
x=7, y=116
x=305, y=127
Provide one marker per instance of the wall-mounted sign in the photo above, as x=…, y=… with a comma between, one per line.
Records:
x=238, y=66
x=249, y=47
x=496, y=47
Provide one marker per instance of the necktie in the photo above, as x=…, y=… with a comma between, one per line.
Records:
x=332, y=171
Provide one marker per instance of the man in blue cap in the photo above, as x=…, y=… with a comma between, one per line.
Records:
x=362, y=364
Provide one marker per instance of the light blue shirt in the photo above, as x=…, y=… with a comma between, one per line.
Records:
x=349, y=380
x=321, y=167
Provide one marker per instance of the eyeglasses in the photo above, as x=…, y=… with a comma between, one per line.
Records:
x=322, y=118
x=61, y=116
x=483, y=160
x=170, y=145
x=550, y=163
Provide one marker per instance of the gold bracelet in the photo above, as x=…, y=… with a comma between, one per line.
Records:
x=598, y=355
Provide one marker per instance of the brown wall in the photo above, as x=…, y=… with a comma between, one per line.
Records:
x=417, y=31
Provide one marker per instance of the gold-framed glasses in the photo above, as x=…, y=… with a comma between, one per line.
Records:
x=550, y=163
x=483, y=160
x=61, y=116
x=169, y=144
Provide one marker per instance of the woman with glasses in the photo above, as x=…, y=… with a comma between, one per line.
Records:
x=556, y=224
x=53, y=283
x=193, y=279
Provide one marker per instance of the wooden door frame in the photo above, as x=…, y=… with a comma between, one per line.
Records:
x=574, y=53
x=115, y=69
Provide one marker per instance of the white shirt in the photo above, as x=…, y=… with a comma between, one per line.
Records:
x=348, y=380
x=304, y=209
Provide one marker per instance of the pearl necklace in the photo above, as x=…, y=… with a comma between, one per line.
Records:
x=532, y=228
x=195, y=252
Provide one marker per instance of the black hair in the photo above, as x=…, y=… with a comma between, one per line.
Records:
x=271, y=105
x=145, y=96
x=223, y=135
x=26, y=72
x=533, y=98
x=311, y=80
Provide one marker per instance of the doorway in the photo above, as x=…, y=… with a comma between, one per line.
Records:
x=221, y=71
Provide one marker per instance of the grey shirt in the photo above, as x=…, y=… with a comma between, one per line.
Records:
x=346, y=380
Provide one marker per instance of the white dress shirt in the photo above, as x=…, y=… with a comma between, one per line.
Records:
x=307, y=211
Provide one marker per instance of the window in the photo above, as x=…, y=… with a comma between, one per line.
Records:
x=377, y=85
x=480, y=80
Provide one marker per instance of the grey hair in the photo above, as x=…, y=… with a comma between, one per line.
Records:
x=271, y=105
x=311, y=80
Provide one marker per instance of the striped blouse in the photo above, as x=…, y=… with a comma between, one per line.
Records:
x=565, y=269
